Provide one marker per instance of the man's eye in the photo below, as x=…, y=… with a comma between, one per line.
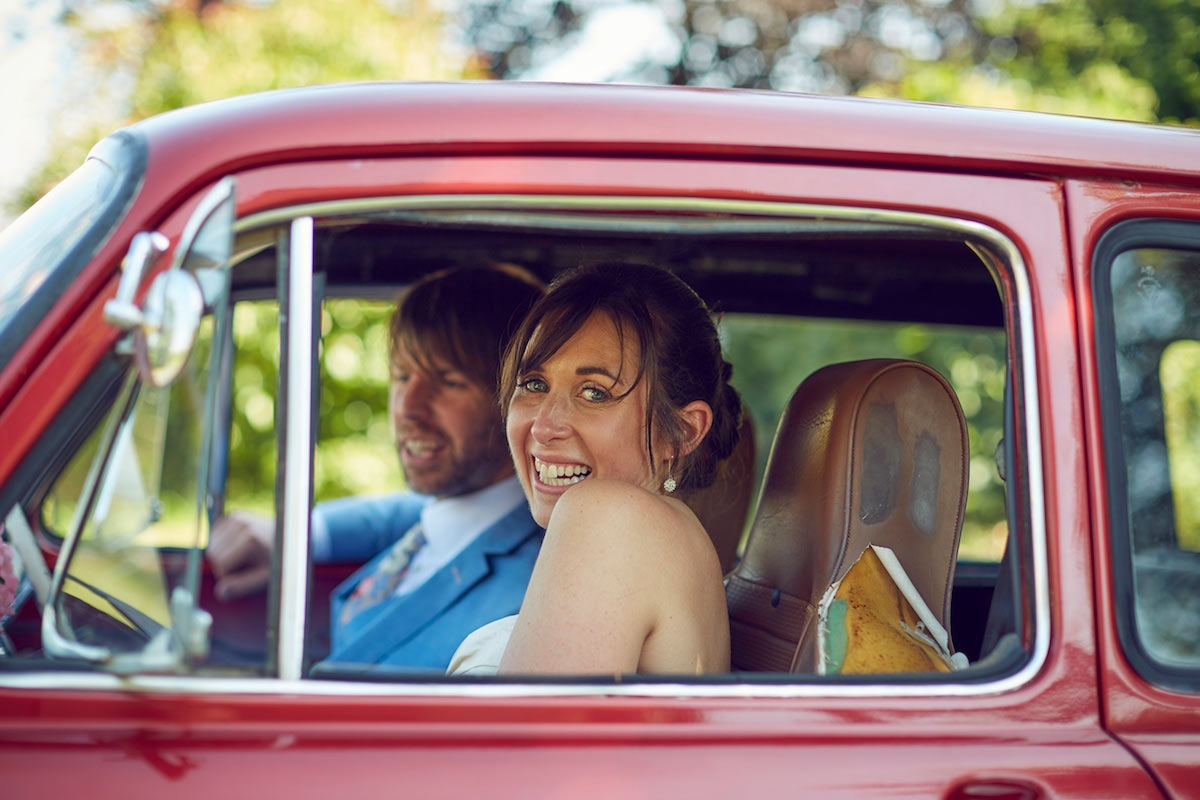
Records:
x=400, y=377
x=595, y=394
x=536, y=385
x=455, y=382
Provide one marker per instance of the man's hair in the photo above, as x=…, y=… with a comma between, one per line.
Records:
x=463, y=317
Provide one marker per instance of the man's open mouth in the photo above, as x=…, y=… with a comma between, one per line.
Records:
x=420, y=448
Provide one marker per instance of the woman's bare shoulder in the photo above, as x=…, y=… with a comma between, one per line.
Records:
x=618, y=504
x=616, y=514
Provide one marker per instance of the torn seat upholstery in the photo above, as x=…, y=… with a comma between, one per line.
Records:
x=867, y=452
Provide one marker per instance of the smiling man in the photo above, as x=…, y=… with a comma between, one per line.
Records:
x=456, y=551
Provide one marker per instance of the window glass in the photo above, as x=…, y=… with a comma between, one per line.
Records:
x=773, y=301
x=144, y=464
x=772, y=355
x=151, y=495
x=1156, y=324
x=354, y=453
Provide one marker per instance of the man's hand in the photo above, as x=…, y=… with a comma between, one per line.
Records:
x=239, y=552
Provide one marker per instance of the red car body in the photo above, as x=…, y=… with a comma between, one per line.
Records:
x=1077, y=720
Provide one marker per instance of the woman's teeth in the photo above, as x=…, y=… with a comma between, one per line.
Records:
x=560, y=474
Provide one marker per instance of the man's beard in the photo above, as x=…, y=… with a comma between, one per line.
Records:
x=480, y=462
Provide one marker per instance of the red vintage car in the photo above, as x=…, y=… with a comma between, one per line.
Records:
x=1047, y=267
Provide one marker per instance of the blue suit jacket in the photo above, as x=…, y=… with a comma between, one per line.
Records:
x=422, y=628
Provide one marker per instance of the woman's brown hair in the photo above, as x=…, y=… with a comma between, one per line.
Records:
x=680, y=353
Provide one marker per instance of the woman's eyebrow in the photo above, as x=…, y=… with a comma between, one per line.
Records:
x=589, y=370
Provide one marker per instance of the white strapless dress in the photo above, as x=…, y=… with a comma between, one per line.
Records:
x=481, y=651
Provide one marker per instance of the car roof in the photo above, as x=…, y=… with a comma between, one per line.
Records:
x=385, y=119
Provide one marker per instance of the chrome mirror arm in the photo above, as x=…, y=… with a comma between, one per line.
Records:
x=145, y=249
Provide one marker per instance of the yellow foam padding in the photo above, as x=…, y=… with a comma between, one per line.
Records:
x=879, y=622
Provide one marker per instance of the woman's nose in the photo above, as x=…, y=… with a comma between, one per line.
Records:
x=552, y=420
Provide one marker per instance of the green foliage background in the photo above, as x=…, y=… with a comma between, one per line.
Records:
x=175, y=54
x=1127, y=59
x=355, y=454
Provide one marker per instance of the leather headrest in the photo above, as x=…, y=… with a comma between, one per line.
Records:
x=867, y=452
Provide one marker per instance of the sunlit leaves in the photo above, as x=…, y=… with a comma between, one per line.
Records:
x=150, y=57
x=1127, y=59
x=355, y=453
x=239, y=48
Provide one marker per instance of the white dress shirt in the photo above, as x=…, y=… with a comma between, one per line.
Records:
x=452, y=523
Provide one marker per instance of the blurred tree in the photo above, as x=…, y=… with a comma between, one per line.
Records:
x=1152, y=42
x=1089, y=57
x=151, y=56
x=1126, y=59
x=355, y=453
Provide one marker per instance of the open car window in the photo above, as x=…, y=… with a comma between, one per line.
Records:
x=792, y=295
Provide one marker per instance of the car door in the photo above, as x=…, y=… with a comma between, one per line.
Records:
x=1139, y=258
x=1035, y=730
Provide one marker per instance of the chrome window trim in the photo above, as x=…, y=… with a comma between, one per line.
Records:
x=293, y=591
x=997, y=250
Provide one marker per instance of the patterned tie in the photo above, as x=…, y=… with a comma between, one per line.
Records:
x=383, y=580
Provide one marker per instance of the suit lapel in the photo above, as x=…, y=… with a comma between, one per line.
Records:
x=395, y=621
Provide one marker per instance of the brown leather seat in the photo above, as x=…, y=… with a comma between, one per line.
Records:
x=867, y=452
x=723, y=506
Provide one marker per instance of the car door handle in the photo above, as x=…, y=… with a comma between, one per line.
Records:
x=994, y=790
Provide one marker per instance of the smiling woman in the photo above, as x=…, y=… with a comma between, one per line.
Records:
x=617, y=396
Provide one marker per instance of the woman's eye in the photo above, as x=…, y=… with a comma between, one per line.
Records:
x=533, y=385
x=594, y=394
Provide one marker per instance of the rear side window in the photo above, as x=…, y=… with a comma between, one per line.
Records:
x=1147, y=283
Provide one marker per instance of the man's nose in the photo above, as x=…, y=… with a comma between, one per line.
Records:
x=553, y=418
x=413, y=399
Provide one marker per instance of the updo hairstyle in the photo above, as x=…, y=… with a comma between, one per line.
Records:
x=680, y=353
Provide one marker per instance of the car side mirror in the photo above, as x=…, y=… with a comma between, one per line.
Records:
x=163, y=329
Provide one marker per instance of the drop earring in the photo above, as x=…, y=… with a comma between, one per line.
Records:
x=669, y=484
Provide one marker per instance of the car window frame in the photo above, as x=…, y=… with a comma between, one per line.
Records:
x=1129, y=234
x=1001, y=257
